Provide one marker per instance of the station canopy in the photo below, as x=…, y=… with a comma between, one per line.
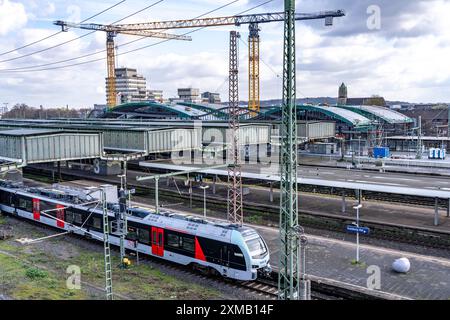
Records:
x=378, y=113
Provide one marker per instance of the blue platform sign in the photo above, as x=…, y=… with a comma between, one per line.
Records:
x=361, y=230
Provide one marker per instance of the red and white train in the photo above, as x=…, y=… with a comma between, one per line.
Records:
x=229, y=250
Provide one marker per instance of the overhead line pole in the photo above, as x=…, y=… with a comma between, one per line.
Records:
x=235, y=210
x=288, y=279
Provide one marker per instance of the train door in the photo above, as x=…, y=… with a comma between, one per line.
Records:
x=36, y=210
x=60, y=216
x=225, y=255
x=158, y=241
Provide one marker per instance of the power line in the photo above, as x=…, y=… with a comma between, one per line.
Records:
x=272, y=69
x=101, y=51
x=133, y=41
x=80, y=37
x=56, y=33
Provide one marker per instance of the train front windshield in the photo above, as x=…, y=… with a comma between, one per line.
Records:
x=257, y=247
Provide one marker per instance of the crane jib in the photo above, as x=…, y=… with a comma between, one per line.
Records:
x=205, y=22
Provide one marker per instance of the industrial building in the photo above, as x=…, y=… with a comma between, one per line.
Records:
x=210, y=97
x=410, y=143
x=155, y=95
x=191, y=95
x=132, y=87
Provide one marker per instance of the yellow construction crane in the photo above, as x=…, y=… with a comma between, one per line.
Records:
x=254, y=101
x=111, y=32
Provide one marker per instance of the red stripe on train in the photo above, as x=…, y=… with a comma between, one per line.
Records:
x=60, y=216
x=199, y=255
x=36, y=209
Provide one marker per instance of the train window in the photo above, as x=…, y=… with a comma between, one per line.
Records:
x=78, y=218
x=132, y=233
x=256, y=247
x=173, y=240
x=25, y=204
x=144, y=236
x=188, y=244
x=154, y=235
x=96, y=223
x=45, y=206
x=237, y=260
x=69, y=216
x=5, y=197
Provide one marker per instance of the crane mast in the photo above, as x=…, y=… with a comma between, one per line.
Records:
x=111, y=95
x=254, y=104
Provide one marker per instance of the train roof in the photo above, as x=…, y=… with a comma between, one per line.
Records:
x=173, y=219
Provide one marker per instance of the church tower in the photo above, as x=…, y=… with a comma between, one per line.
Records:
x=342, y=99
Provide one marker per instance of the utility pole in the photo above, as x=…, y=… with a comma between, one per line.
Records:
x=235, y=210
x=107, y=249
x=288, y=279
x=419, y=139
x=359, y=206
x=448, y=127
x=120, y=225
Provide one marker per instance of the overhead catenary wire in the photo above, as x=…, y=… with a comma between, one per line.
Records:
x=56, y=33
x=79, y=37
x=20, y=69
x=133, y=41
x=272, y=69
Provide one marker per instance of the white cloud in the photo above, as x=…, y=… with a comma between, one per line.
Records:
x=12, y=16
x=49, y=9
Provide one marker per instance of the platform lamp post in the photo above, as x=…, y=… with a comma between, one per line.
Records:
x=359, y=206
x=298, y=233
x=204, y=187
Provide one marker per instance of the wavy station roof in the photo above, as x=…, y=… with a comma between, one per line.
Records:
x=166, y=111
x=379, y=113
x=334, y=113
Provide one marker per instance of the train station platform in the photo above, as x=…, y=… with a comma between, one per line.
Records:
x=328, y=258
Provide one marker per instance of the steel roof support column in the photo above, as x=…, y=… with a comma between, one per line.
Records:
x=448, y=209
x=288, y=281
x=436, y=212
x=343, y=202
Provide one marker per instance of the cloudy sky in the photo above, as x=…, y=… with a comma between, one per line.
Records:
x=403, y=55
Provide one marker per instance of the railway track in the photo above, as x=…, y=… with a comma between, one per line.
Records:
x=382, y=231
x=351, y=194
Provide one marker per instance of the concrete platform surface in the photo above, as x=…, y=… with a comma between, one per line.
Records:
x=429, y=277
